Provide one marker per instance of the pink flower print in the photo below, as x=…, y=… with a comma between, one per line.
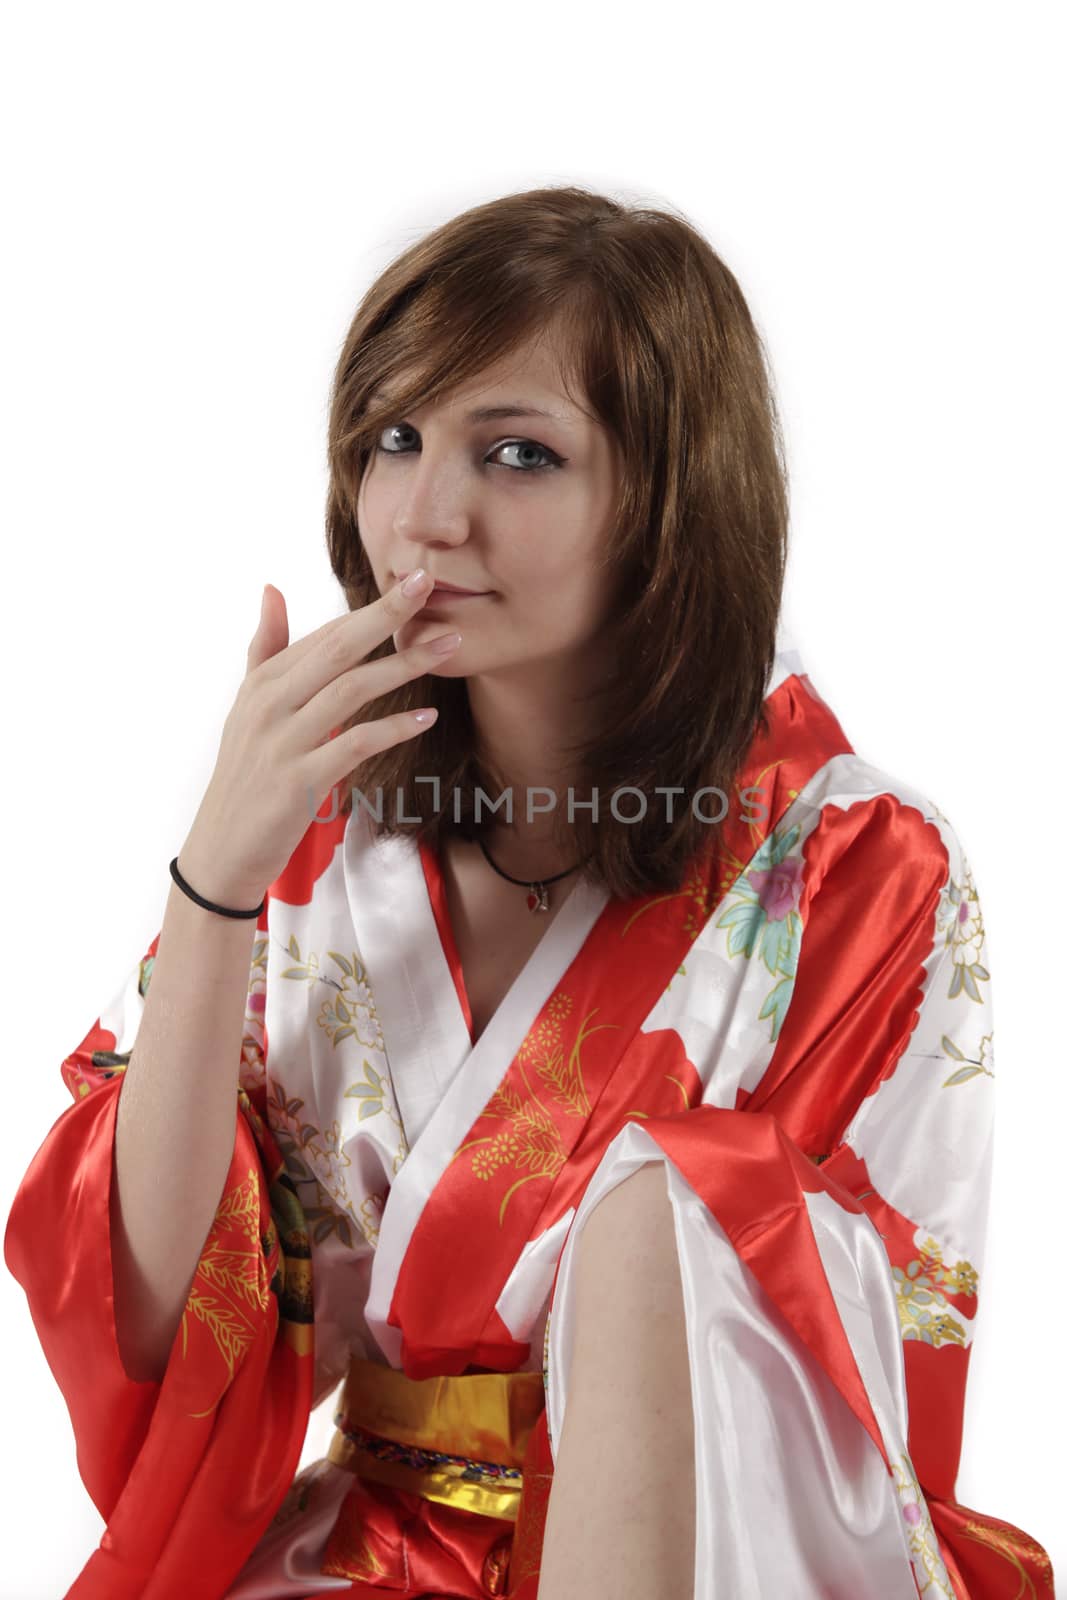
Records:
x=912, y=1514
x=778, y=888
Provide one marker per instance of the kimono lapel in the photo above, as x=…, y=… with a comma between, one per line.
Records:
x=523, y=1121
x=426, y=1038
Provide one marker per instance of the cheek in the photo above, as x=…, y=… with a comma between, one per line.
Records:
x=544, y=582
x=369, y=516
x=563, y=594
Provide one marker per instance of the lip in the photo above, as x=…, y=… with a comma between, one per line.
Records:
x=440, y=587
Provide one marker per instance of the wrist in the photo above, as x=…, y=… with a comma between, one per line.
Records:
x=209, y=877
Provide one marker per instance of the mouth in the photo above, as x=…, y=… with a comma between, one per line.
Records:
x=446, y=600
x=450, y=590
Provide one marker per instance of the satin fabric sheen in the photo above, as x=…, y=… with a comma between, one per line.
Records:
x=821, y=1109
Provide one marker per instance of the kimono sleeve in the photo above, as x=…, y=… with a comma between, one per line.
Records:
x=830, y=1230
x=186, y=1472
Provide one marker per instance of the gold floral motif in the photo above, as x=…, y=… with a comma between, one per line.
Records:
x=924, y=1312
x=352, y=1012
x=960, y=1279
x=231, y=1334
x=310, y=1152
x=959, y=920
x=931, y=1576
x=1005, y=1545
x=970, y=1068
x=253, y=1065
x=324, y=1218
x=682, y=1090
x=696, y=887
x=532, y=1140
x=316, y=1155
x=543, y=1048
x=375, y=1094
x=370, y=1215
x=227, y=1280
x=144, y=975
x=350, y=1551
x=758, y=832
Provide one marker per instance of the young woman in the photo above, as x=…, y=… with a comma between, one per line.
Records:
x=615, y=1154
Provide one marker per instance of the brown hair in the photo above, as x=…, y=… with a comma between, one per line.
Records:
x=664, y=348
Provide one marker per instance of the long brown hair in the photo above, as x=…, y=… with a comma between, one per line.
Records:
x=665, y=353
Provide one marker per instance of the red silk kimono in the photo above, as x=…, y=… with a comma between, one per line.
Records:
x=802, y=1034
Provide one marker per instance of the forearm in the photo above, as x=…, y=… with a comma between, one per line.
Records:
x=176, y=1123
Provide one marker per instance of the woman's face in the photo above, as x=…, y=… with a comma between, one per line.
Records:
x=515, y=507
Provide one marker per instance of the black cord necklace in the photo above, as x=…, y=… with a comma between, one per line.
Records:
x=537, y=888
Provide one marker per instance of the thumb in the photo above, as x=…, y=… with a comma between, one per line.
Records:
x=272, y=632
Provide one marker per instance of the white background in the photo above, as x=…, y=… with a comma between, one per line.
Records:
x=195, y=198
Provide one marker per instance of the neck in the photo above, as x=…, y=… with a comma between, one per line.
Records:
x=523, y=722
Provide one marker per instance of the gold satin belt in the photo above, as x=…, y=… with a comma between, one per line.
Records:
x=459, y=1440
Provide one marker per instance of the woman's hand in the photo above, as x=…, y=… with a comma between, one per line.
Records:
x=276, y=753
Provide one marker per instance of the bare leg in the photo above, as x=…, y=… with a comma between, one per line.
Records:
x=621, y=1513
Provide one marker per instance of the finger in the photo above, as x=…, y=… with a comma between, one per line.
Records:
x=343, y=697
x=340, y=756
x=301, y=648
x=313, y=663
x=272, y=634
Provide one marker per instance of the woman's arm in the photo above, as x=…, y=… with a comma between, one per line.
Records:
x=176, y=1120
x=622, y=1512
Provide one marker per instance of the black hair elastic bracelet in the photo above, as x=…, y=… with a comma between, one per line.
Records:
x=208, y=905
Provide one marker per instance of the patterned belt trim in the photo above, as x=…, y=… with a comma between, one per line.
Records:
x=459, y=1440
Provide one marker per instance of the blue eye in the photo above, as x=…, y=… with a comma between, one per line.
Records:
x=552, y=462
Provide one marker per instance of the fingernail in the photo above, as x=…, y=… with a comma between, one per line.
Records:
x=441, y=647
x=413, y=582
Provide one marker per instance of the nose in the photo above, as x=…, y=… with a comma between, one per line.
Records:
x=423, y=523
x=417, y=537
x=430, y=514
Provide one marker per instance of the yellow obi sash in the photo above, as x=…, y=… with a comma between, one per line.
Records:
x=459, y=1440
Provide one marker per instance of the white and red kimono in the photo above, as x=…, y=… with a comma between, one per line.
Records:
x=802, y=1034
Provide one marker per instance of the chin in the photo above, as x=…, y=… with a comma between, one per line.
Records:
x=453, y=666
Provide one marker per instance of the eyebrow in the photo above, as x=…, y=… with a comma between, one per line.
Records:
x=507, y=408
